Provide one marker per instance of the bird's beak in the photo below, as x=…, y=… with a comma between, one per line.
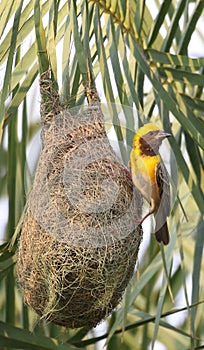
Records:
x=162, y=135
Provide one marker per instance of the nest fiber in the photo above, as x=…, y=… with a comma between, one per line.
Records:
x=79, y=240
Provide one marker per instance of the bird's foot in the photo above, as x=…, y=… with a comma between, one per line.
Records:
x=139, y=221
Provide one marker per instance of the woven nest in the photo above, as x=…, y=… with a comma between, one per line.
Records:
x=79, y=240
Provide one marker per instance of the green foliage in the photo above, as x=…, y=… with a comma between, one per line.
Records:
x=132, y=59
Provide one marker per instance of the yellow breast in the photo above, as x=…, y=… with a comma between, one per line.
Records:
x=145, y=165
x=143, y=169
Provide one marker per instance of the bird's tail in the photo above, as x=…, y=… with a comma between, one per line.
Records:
x=162, y=233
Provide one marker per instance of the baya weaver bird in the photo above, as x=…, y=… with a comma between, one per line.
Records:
x=150, y=176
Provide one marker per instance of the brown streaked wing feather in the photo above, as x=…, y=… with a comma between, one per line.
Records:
x=161, y=229
x=162, y=178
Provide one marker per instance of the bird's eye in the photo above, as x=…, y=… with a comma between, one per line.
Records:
x=151, y=133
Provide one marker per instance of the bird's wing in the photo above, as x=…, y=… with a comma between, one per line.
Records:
x=162, y=178
x=161, y=229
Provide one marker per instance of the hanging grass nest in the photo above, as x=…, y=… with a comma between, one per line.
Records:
x=79, y=240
